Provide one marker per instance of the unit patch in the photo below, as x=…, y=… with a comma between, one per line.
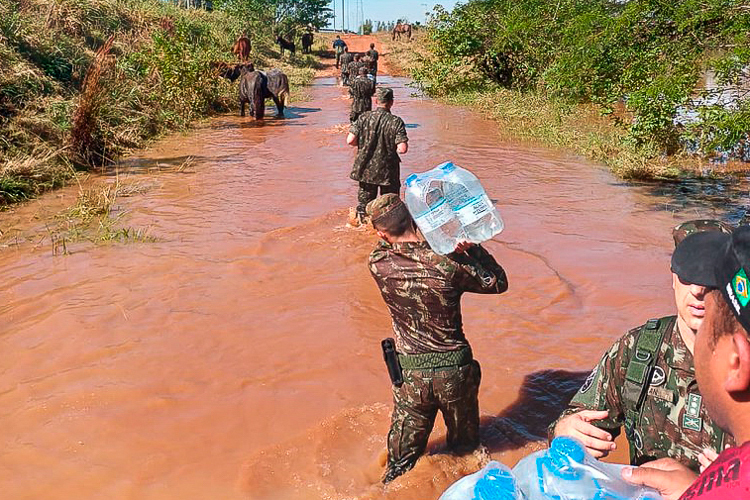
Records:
x=658, y=377
x=589, y=381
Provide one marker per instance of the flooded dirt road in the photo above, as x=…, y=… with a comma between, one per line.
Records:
x=237, y=355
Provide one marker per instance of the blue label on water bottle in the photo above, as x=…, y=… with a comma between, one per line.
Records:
x=448, y=166
x=436, y=216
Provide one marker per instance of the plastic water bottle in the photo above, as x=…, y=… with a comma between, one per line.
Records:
x=493, y=482
x=567, y=472
x=472, y=206
x=431, y=211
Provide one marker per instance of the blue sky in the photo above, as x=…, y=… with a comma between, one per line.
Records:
x=386, y=10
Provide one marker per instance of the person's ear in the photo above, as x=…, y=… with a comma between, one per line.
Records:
x=738, y=371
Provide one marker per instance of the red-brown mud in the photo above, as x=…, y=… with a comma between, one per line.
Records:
x=238, y=356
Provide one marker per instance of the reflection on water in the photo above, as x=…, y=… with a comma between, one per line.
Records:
x=238, y=356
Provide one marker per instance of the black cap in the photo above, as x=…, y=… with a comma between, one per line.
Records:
x=732, y=274
x=693, y=259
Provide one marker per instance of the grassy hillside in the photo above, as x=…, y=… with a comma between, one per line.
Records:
x=84, y=81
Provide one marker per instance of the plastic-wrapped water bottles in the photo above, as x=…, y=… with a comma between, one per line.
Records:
x=494, y=482
x=449, y=205
x=470, y=203
x=567, y=472
x=563, y=472
x=427, y=204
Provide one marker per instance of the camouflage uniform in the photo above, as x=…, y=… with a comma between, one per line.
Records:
x=423, y=293
x=344, y=60
x=673, y=421
x=373, y=55
x=361, y=89
x=377, y=165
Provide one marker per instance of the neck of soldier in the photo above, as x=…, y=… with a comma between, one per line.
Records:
x=687, y=334
x=407, y=237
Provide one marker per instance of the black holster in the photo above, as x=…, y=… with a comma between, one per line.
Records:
x=391, y=361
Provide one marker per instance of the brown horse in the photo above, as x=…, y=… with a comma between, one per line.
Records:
x=401, y=28
x=242, y=48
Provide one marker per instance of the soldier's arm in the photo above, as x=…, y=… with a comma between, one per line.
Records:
x=478, y=271
x=402, y=140
x=595, y=414
x=352, y=137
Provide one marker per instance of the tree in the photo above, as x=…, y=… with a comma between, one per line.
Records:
x=366, y=27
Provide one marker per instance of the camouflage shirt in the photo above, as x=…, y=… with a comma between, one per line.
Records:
x=373, y=55
x=423, y=292
x=377, y=162
x=344, y=61
x=361, y=89
x=674, y=422
x=353, y=67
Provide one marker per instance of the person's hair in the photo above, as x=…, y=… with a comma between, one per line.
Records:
x=357, y=57
x=362, y=71
x=372, y=45
x=724, y=321
x=395, y=223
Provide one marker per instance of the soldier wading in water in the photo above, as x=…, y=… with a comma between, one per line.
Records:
x=646, y=381
x=423, y=293
x=380, y=137
x=361, y=89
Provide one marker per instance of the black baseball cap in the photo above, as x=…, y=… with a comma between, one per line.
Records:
x=719, y=260
x=732, y=268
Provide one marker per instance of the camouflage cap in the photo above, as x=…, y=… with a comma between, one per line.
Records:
x=681, y=231
x=385, y=94
x=383, y=205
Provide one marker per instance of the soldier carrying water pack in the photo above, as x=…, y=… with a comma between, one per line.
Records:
x=436, y=369
x=646, y=380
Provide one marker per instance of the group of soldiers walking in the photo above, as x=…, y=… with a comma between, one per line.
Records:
x=646, y=383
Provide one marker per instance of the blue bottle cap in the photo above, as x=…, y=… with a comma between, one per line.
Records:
x=447, y=166
x=410, y=180
x=564, y=448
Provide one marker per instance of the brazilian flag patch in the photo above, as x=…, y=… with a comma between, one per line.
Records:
x=739, y=283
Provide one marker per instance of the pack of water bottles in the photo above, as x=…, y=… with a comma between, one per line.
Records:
x=449, y=205
x=563, y=472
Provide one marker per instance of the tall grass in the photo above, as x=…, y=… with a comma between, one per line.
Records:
x=83, y=82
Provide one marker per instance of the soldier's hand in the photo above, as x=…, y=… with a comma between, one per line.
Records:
x=463, y=246
x=598, y=442
x=707, y=457
x=666, y=475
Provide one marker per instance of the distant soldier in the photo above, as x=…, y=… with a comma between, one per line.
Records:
x=353, y=68
x=379, y=137
x=242, y=48
x=361, y=89
x=373, y=55
x=344, y=61
x=423, y=293
x=340, y=47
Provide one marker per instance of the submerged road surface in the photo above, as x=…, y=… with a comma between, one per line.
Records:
x=237, y=355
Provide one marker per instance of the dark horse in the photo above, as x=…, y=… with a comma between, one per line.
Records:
x=284, y=44
x=307, y=41
x=256, y=86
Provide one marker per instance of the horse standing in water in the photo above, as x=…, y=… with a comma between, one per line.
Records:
x=401, y=28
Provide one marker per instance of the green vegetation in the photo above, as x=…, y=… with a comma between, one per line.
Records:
x=82, y=82
x=637, y=62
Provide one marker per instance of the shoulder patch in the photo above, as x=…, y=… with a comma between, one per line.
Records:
x=659, y=377
x=589, y=381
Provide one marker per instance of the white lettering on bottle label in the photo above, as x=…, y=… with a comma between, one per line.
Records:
x=474, y=209
x=436, y=216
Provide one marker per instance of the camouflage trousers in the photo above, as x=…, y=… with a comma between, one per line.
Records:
x=368, y=192
x=452, y=390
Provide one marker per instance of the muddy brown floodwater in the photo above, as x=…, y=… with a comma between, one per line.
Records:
x=237, y=356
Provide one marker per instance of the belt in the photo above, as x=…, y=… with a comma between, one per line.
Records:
x=432, y=360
